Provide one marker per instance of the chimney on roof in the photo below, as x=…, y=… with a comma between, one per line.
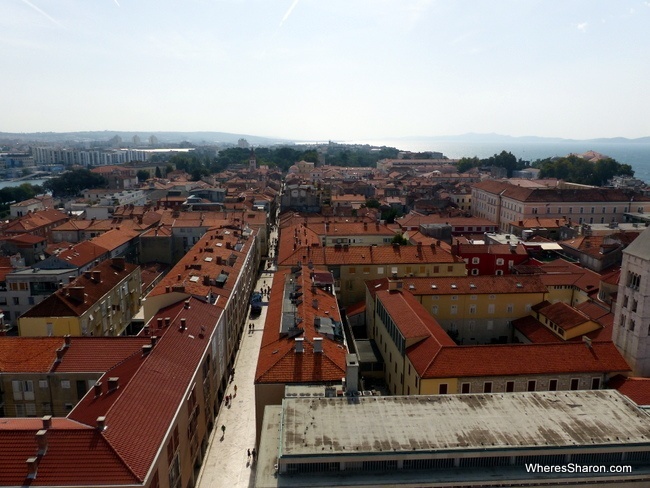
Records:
x=168, y=321
x=41, y=439
x=119, y=263
x=183, y=325
x=59, y=354
x=77, y=293
x=101, y=423
x=67, y=340
x=159, y=321
x=47, y=421
x=318, y=344
x=32, y=467
x=351, y=373
x=206, y=280
x=70, y=278
x=187, y=304
x=146, y=349
x=97, y=276
x=87, y=274
x=179, y=277
x=154, y=340
x=299, y=344
x=113, y=383
x=98, y=389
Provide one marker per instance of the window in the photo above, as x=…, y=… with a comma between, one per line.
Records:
x=476, y=260
x=475, y=272
x=454, y=297
x=442, y=389
x=570, y=209
x=65, y=384
x=472, y=309
x=632, y=324
x=16, y=301
x=582, y=209
x=575, y=383
x=434, y=310
x=499, y=261
x=353, y=270
x=380, y=270
x=491, y=308
x=454, y=309
x=593, y=210
x=531, y=385
x=487, y=387
x=595, y=383
x=450, y=269
x=42, y=384
x=436, y=269
x=499, y=272
x=510, y=308
x=30, y=409
x=464, y=388
x=490, y=324
x=510, y=386
x=552, y=385
x=20, y=410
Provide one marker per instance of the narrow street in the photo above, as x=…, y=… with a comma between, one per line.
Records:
x=226, y=463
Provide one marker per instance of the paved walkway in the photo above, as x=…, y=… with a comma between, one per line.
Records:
x=226, y=463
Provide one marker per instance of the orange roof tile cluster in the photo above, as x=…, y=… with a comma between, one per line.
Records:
x=278, y=362
x=564, y=316
x=82, y=254
x=360, y=255
x=28, y=355
x=435, y=355
x=113, y=239
x=95, y=283
x=219, y=253
x=34, y=221
x=545, y=194
x=534, y=330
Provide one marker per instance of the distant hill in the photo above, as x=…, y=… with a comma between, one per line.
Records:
x=163, y=137
x=500, y=138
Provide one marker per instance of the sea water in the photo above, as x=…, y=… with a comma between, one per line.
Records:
x=636, y=154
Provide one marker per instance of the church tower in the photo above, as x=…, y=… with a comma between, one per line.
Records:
x=252, y=161
x=631, y=330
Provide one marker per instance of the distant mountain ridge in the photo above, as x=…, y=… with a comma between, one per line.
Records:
x=211, y=137
x=500, y=138
x=199, y=137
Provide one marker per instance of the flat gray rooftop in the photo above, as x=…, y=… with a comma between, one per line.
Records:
x=456, y=423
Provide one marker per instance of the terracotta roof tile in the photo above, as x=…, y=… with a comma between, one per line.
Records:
x=277, y=361
x=637, y=389
x=28, y=354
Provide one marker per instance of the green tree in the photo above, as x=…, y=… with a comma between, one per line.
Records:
x=143, y=175
x=71, y=183
x=465, y=164
x=372, y=203
x=399, y=239
x=158, y=173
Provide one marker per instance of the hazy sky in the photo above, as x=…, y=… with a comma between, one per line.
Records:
x=327, y=69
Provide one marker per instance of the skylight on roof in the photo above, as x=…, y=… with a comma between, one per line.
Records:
x=219, y=244
x=194, y=279
x=434, y=287
x=208, y=259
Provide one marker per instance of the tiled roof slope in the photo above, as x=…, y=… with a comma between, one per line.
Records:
x=637, y=389
x=461, y=285
x=97, y=354
x=527, y=359
x=278, y=362
x=61, y=304
x=360, y=255
x=138, y=420
x=74, y=457
x=209, y=257
x=439, y=357
x=28, y=355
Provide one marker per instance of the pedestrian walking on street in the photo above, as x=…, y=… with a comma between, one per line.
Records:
x=248, y=453
x=253, y=454
x=235, y=390
x=223, y=433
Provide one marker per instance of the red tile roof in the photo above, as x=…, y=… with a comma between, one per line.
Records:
x=564, y=316
x=74, y=457
x=277, y=361
x=637, y=389
x=28, y=354
x=534, y=330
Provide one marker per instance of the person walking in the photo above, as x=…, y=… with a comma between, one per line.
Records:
x=223, y=432
x=235, y=388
